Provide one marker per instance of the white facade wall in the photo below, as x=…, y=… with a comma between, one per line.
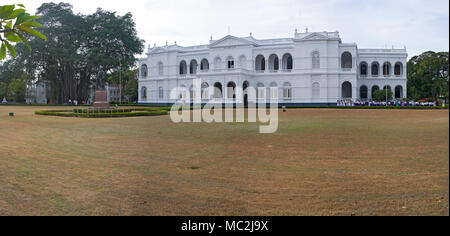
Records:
x=309, y=84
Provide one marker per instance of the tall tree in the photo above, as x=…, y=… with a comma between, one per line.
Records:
x=428, y=76
x=77, y=46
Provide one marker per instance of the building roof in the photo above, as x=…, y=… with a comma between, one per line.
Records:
x=249, y=40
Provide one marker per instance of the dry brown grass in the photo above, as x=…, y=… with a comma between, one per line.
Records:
x=320, y=162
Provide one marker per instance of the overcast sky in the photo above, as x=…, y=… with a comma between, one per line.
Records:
x=417, y=24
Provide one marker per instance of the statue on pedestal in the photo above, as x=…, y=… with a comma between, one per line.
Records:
x=100, y=81
x=101, y=95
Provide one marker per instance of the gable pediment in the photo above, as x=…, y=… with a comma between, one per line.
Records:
x=157, y=50
x=231, y=41
x=315, y=36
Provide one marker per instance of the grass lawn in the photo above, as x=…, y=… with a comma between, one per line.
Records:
x=320, y=162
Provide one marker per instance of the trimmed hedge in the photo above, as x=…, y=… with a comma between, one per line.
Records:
x=109, y=110
x=354, y=107
x=123, y=113
x=372, y=107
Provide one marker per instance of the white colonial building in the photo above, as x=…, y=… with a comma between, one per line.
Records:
x=312, y=68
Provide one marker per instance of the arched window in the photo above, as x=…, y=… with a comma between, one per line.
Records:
x=273, y=63
x=363, y=92
x=217, y=63
x=273, y=90
x=398, y=92
x=230, y=63
x=144, y=93
x=160, y=93
x=231, y=88
x=160, y=68
x=242, y=62
x=218, y=90
x=260, y=91
x=346, y=60
x=193, y=67
x=363, y=69
x=183, y=68
x=287, y=90
x=192, y=92
x=287, y=62
x=260, y=63
x=386, y=69
x=398, y=70
x=205, y=91
x=315, y=60
x=245, y=85
x=374, y=89
x=204, y=65
x=183, y=92
x=346, y=90
x=316, y=90
x=144, y=70
x=375, y=69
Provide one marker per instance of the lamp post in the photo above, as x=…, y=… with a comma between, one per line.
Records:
x=120, y=81
x=386, y=88
x=386, y=81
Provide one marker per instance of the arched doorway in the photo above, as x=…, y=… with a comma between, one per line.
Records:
x=183, y=68
x=374, y=89
x=274, y=64
x=398, y=92
x=204, y=65
x=363, y=92
x=260, y=63
x=231, y=90
x=347, y=90
x=218, y=90
x=287, y=62
x=193, y=67
x=245, y=85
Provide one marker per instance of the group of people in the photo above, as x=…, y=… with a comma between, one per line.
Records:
x=75, y=102
x=402, y=103
x=345, y=103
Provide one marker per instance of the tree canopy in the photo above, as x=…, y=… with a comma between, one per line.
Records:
x=77, y=46
x=380, y=95
x=428, y=76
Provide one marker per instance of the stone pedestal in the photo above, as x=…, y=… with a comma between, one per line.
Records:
x=101, y=99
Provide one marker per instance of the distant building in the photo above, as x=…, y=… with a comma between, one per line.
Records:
x=113, y=93
x=314, y=68
x=36, y=93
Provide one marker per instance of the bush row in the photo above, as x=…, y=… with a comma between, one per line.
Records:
x=68, y=113
x=354, y=107
x=102, y=110
x=372, y=107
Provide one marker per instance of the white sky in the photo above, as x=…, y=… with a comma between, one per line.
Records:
x=418, y=24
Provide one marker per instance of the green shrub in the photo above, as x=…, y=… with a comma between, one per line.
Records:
x=85, y=113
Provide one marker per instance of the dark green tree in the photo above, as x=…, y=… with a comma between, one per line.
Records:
x=131, y=89
x=428, y=76
x=77, y=46
x=380, y=95
x=17, y=90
